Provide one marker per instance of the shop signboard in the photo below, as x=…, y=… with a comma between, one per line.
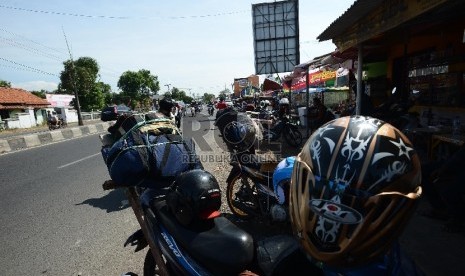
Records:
x=318, y=78
x=59, y=100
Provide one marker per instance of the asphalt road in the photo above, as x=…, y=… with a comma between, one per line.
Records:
x=56, y=219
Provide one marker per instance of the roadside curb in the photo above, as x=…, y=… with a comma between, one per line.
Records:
x=37, y=139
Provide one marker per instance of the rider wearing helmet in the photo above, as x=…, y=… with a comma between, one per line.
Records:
x=354, y=187
x=283, y=107
x=165, y=110
x=195, y=197
x=166, y=106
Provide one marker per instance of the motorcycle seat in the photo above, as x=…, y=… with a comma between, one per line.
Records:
x=218, y=244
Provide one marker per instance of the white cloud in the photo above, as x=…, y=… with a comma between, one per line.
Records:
x=36, y=85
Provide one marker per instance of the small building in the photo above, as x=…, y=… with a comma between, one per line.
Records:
x=243, y=83
x=21, y=109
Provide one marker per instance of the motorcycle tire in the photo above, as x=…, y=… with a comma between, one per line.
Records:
x=151, y=268
x=241, y=195
x=293, y=137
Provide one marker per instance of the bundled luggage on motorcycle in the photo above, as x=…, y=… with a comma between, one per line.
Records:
x=238, y=130
x=151, y=154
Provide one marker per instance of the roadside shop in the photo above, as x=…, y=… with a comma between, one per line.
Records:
x=417, y=47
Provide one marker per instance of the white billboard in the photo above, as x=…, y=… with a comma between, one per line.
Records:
x=59, y=100
x=276, y=36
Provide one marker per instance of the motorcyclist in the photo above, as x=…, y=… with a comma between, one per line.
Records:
x=284, y=107
x=211, y=108
x=53, y=120
x=222, y=104
x=165, y=109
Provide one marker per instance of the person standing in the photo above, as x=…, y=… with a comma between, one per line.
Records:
x=177, y=115
x=322, y=115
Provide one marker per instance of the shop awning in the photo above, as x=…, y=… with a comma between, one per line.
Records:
x=271, y=85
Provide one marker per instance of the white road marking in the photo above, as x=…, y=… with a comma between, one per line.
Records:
x=77, y=161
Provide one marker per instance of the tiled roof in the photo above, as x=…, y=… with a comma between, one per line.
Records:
x=19, y=98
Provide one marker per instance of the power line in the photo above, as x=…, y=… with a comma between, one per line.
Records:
x=29, y=49
x=30, y=40
x=63, y=13
x=18, y=68
x=29, y=67
x=122, y=17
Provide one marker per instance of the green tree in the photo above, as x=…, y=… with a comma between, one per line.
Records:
x=5, y=83
x=208, y=97
x=42, y=93
x=139, y=87
x=107, y=93
x=81, y=76
x=180, y=95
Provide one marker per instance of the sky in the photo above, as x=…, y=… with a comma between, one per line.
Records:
x=197, y=46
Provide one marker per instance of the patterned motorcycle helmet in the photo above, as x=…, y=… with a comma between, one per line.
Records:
x=354, y=187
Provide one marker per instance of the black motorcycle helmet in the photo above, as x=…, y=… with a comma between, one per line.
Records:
x=166, y=104
x=195, y=195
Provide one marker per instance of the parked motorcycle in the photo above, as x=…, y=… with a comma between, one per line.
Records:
x=396, y=111
x=220, y=246
x=283, y=127
x=259, y=189
x=174, y=248
x=177, y=249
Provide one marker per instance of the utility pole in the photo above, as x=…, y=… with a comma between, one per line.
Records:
x=76, y=96
x=168, y=85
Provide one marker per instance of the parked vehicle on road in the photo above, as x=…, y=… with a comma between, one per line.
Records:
x=187, y=234
x=111, y=113
x=283, y=127
x=168, y=224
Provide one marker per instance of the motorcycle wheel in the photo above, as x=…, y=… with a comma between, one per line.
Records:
x=151, y=268
x=241, y=194
x=293, y=137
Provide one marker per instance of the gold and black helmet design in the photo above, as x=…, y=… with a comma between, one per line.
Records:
x=354, y=187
